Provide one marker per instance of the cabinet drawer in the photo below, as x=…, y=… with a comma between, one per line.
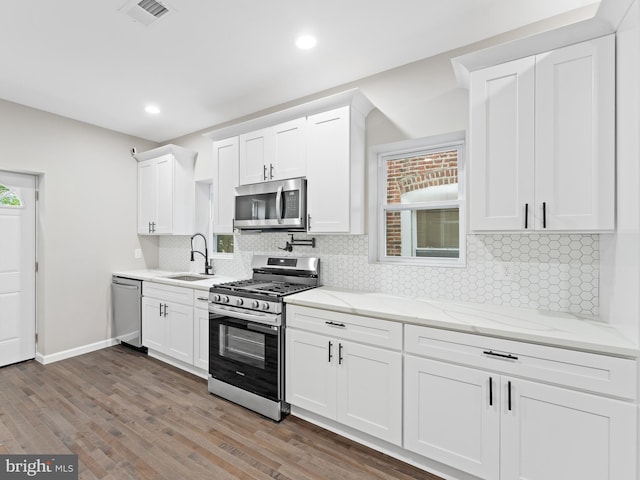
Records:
x=585, y=371
x=168, y=293
x=358, y=328
x=200, y=298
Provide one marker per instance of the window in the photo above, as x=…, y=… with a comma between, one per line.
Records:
x=221, y=245
x=9, y=197
x=420, y=201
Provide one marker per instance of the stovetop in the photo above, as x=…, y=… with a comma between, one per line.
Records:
x=273, y=288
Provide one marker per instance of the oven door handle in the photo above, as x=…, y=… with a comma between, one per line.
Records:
x=266, y=319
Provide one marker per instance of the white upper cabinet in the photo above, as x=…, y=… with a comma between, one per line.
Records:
x=166, y=191
x=273, y=153
x=542, y=141
x=575, y=137
x=335, y=171
x=502, y=145
x=225, y=168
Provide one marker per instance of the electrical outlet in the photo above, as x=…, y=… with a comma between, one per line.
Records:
x=137, y=253
x=505, y=271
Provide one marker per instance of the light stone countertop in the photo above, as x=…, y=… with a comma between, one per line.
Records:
x=558, y=329
x=159, y=276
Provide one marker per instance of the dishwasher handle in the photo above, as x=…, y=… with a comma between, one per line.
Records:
x=122, y=285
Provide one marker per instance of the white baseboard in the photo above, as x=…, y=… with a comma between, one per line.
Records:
x=92, y=347
x=395, y=451
x=178, y=364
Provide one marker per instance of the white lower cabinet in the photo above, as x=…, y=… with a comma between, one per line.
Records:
x=452, y=415
x=201, y=338
x=175, y=325
x=333, y=375
x=553, y=432
x=168, y=328
x=498, y=426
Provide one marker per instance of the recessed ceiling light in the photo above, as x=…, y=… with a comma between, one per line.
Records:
x=305, y=42
x=152, y=109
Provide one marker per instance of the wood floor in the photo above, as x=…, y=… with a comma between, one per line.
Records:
x=128, y=416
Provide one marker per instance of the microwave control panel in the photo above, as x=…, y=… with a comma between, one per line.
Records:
x=291, y=204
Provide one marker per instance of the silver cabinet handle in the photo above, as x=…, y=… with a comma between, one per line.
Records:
x=308, y=221
x=160, y=309
x=165, y=310
x=264, y=172
x=271, y=171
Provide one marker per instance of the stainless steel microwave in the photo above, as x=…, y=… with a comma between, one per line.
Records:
x=272, y=205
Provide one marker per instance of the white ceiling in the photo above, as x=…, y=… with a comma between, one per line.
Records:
x=210, y=61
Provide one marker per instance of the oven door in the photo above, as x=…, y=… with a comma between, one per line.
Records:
x=245, y=354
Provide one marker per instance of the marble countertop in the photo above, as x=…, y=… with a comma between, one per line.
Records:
x=537, y=326
x=160, y=276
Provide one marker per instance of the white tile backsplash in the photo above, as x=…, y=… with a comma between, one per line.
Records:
x=549, y=272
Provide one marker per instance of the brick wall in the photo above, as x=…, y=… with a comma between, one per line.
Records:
x=415, y=173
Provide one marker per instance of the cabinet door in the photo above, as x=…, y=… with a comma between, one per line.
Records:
x=551, y=432
x=225, y=165
x=451, y=415
x=290, y=150
x=310, y=372
x=328, y=171
x=153, y=324
x=575, y=136
x=164, y=194
x=179, y=336
x=201, y=338
x=369, y=386
x=256, y=153
x=146, y=196
x=501, y=158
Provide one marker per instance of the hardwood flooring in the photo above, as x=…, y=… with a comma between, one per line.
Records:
x=128, y=416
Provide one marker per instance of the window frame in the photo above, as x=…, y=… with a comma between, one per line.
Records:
x=378, y=158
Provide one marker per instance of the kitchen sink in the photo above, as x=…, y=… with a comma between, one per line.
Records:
x=190, y=277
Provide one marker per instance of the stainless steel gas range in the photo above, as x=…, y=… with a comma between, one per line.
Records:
x=246, y=332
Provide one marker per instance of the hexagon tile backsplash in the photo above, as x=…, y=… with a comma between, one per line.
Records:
x=548, y=272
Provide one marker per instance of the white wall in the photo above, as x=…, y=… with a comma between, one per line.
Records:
x=87, y=221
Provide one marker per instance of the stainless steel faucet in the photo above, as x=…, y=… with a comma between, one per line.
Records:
x=207, y=267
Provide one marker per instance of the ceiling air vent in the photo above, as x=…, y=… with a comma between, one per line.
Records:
x=154, y=8
x=144, y=11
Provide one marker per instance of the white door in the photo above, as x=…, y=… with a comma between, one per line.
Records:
x=164, y=194
x=179, y=331
x=153, y=324
x=146, y=196
x=311, y=372
x=201, y=338
x=256, y=153
x=290, y=146
x=225, y=167
x=328, y=171
x=451, y=414
x=17, y=267
x=550, y=432
x=575, y=137
x=501, y=156
x=369, y=390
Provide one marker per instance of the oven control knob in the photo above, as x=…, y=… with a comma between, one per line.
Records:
x=239, y=301
x=216, y=298
x=265, y=306
x=225, y=299
x=255, y=304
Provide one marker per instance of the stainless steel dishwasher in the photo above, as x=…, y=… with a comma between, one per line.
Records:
x=126, y=298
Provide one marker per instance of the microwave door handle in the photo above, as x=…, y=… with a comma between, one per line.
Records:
x=279, y=204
